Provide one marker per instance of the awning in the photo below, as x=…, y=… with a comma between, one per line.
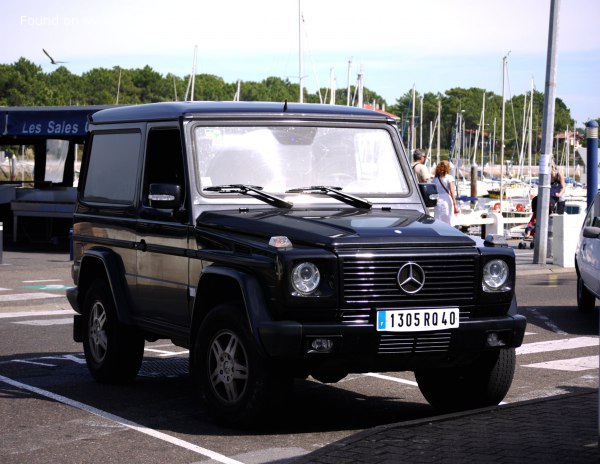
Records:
x=63, y=122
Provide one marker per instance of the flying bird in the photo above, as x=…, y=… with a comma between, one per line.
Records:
x=52, y=59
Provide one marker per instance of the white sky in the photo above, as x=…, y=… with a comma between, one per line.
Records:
x=434, y=44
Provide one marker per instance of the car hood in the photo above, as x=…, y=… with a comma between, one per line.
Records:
x=338, y=228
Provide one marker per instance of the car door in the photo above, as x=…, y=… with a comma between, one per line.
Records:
x=589, y=250
x=162, y=294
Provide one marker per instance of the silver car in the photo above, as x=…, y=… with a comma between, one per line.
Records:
x=587, y=258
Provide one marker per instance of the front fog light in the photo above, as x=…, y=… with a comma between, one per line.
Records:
x=494, y=340
x=305, y=278
x=322, y=345
x=495, y=275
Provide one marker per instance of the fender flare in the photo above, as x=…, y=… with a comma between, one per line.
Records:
x=113, y=269
x=252, y=296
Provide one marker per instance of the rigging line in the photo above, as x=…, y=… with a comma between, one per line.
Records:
x=312, y=58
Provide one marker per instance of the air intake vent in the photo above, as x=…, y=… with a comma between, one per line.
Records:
x=422, y=343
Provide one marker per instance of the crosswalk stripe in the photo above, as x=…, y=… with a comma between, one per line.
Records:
x=573, y=365
x=557, y=345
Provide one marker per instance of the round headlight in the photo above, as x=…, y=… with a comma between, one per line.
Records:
x=495, y=274
x=305, y=278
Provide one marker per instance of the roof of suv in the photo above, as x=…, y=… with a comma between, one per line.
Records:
x=175, y=110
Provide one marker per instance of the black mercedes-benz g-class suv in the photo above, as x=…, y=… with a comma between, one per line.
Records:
x=277, y=241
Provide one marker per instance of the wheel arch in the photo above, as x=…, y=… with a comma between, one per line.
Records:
x=226, y=285
x=104, y=264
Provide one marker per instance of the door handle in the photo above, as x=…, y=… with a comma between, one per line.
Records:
x=141, y=245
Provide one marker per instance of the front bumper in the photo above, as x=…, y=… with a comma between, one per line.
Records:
x=285, y=339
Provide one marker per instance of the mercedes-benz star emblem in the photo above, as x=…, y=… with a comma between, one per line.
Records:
x=411, y=278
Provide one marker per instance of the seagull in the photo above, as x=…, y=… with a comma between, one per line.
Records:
x=52, y=59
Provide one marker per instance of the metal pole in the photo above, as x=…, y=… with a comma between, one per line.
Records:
x=591, y=134
x=543, y=201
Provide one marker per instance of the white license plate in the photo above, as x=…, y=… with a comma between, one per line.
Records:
x=417, y=320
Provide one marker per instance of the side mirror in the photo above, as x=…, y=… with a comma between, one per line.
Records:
x=591, y=232
x=164, y=196
x=429, y=193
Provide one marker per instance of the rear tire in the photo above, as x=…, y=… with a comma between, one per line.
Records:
x=586, y=300
x=482, y=383
x=113, y=351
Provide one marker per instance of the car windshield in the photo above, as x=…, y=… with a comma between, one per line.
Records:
x=357, y=160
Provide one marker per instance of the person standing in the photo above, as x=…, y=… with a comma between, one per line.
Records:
x=446, y=206
x=419, y=167
x=557, y=190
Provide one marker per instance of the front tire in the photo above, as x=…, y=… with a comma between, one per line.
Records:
x=586, y=300
x=238, y=384
x=113, y=351
x=485, y=382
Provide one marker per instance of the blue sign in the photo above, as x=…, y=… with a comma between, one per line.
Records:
x=66, y=121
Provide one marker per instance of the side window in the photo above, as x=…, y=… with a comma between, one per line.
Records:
x=113, y=167
x=164, y=161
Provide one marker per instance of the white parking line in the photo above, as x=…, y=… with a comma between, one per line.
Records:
x=557, y=345
x=572, y=365
x=46, y=322
x=164, y=353
x=43, y=280
x=122, y=421
x=24, y=361
x=58, y=312
x=393, y=379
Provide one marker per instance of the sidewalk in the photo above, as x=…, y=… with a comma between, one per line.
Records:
x=560, y=429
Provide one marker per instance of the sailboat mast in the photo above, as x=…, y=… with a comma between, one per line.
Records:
x=482, y=132
x=412, y=122
x=502, y=130
x=300, y=70
x=439, y=124
x=348, y=91
x=530, y=130
x=421, y=124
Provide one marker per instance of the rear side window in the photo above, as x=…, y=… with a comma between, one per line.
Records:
x=113, y=167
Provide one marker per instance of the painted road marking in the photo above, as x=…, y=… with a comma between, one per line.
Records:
x=572, y=365
x=393, y=379
x=25, y=361
x=121, y=421
x=39, y=281
x=28, y=296
x=58, y=312
x=46, y=322
x=51, y=287
x=5, y=289
x=165, y=353
x=557, y=345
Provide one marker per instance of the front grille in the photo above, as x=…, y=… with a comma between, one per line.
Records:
x=371, y=283
x=421, y=343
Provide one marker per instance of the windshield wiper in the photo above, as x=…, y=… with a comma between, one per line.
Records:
x=335, y=192
x=253, y=191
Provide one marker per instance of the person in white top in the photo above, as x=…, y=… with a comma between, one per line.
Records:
x=446, y=205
